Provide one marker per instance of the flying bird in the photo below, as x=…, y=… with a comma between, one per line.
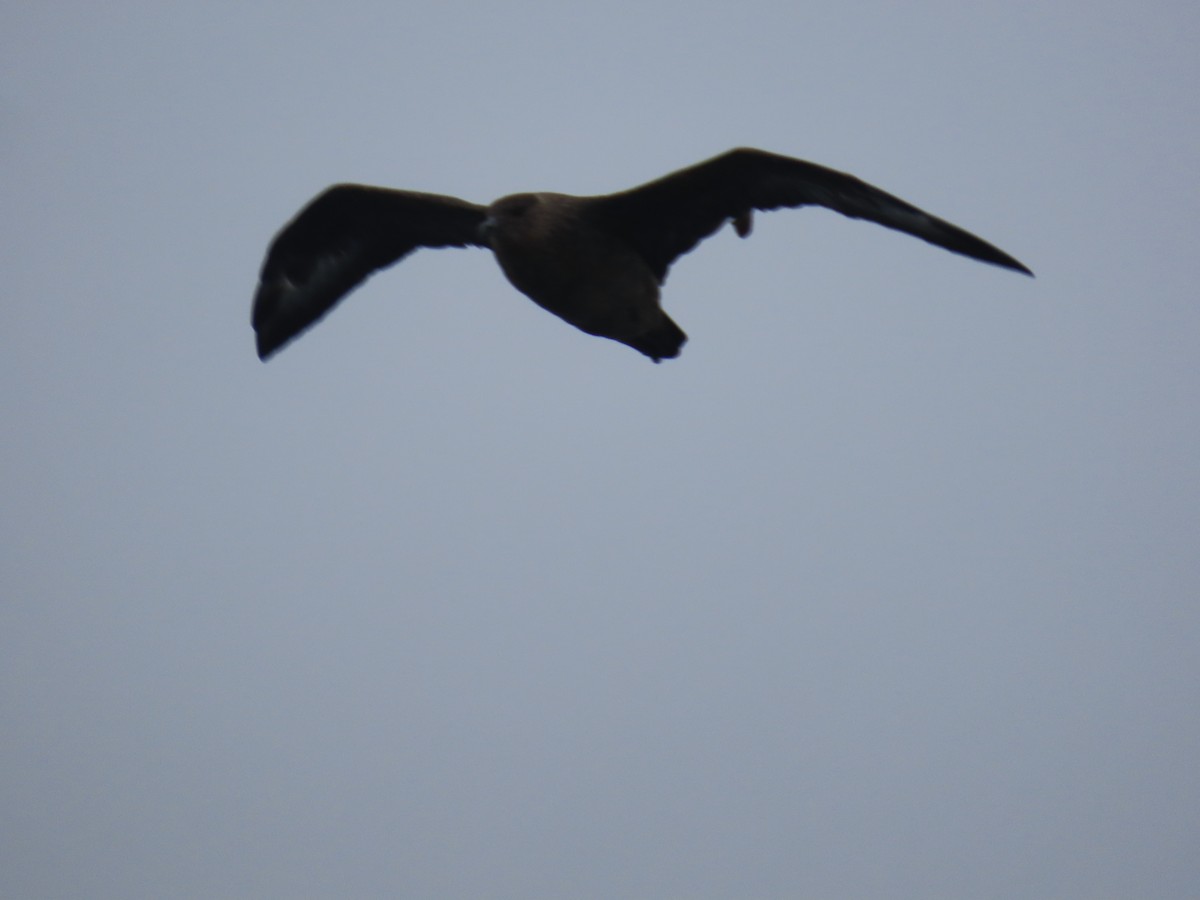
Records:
x=596, y=262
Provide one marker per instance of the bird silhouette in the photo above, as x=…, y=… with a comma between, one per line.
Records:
x=596, y=262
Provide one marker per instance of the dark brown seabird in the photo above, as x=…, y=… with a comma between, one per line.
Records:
x=597, y=262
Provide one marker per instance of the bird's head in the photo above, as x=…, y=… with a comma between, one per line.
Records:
x=513, y=217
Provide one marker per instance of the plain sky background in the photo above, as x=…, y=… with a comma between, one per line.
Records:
x=888, y=587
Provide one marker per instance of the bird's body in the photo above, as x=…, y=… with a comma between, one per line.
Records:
x=582, y=274
x=596, y=262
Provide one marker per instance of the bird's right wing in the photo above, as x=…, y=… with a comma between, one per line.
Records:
x=666, y=218
x=332, y=245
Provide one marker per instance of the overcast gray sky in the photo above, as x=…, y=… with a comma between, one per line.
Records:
x=887, y=587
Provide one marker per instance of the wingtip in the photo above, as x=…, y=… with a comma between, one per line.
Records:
x=989, y=253
x=1010, y=262
x=1016, y=266
x=266, y=346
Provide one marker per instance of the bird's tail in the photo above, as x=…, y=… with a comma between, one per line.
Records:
x=660, y=342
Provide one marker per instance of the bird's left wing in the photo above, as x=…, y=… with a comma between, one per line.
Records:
x=337, y=241
x=666, y=218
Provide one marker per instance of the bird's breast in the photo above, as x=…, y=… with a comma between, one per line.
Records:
x=590, y=279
